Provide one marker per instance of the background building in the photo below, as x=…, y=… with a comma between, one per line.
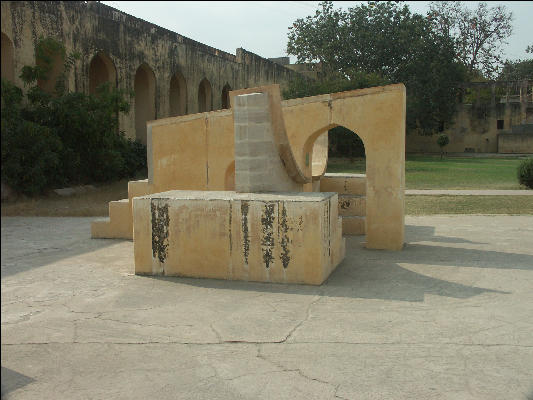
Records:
x=170, y=74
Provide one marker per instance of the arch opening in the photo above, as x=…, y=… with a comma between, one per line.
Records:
x=178, y=95
x=225, y=96
x=8, y=53
x=341, y=150
x=101, y=70
x=345, y=145
x=205, y=101
x=144, y=87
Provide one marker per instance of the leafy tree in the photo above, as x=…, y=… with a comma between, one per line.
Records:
x=30, y=151
x=58, y=138
x=478, y=34
x=442, y=141
x=387, y=40
x=517, y=70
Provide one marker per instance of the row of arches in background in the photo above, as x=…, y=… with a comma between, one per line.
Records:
x=342, y=143
x=102, y=69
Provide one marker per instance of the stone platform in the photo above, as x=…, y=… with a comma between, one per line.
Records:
x=265, y=237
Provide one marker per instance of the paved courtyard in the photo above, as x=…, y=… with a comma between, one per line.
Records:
x=450, y=317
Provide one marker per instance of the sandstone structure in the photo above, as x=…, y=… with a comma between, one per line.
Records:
x=250, y=212
x=199, y=153
x=170, y=74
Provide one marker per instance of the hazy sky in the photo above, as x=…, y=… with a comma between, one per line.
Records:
x=262, y=26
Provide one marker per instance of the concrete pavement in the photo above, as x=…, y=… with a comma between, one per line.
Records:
x=450, y=317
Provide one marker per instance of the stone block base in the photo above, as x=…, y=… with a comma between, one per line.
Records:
x=265, y=237
x=344, y=183
x=353, y=225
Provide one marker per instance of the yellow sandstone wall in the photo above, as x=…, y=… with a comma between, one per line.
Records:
x=196, y=152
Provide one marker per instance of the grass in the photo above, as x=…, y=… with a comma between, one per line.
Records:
x=428, y=205
x=429, y=172
x=422, y=172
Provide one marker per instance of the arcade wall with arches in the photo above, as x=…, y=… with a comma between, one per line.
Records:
x=170, y=74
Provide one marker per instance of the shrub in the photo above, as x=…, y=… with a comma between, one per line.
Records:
x=442, y=141
x=60, y=138
x=525, y=173
x=30, y=152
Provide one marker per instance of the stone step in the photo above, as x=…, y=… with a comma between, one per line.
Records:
x=118, y=225
x=343, y=183
x=352, y=205
x=353, y=225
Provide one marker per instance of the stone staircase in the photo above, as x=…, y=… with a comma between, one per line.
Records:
x=119, y=224
x=352, y=200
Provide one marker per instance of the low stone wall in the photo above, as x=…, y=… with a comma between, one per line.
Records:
x=515, y=143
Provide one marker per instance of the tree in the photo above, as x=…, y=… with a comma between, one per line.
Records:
x=51, y=139
x=442, y=141
x=478, y=34
x=387, y=40
x=517, y=70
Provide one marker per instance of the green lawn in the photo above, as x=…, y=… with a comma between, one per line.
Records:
x=427, y=205
x=429, y=172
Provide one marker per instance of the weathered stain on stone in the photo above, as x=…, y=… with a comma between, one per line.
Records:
x=285, y=252
x=345, y=204
x=267, y=231
x=245, y=234
x=327, y=226
x=229, y=225
x=160, y=222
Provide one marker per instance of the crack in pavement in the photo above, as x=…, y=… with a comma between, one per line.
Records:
x=236, y=342
x=283, y=368
x=308, y=315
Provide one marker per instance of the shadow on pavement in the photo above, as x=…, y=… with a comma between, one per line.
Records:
x=378, y=274
x=33, y=242
x=12, y=380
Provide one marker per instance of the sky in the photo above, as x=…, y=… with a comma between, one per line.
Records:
x=262, y=26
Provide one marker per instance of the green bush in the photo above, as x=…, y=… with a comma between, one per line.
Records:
x=525, y=173
x=61, y=138
x=30, y=152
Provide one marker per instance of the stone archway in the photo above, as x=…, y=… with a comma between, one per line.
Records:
x=8, y=53
x=144, y=87
x=225, y=96
x=178, y=95
x=205, y=100
x=101, y=70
